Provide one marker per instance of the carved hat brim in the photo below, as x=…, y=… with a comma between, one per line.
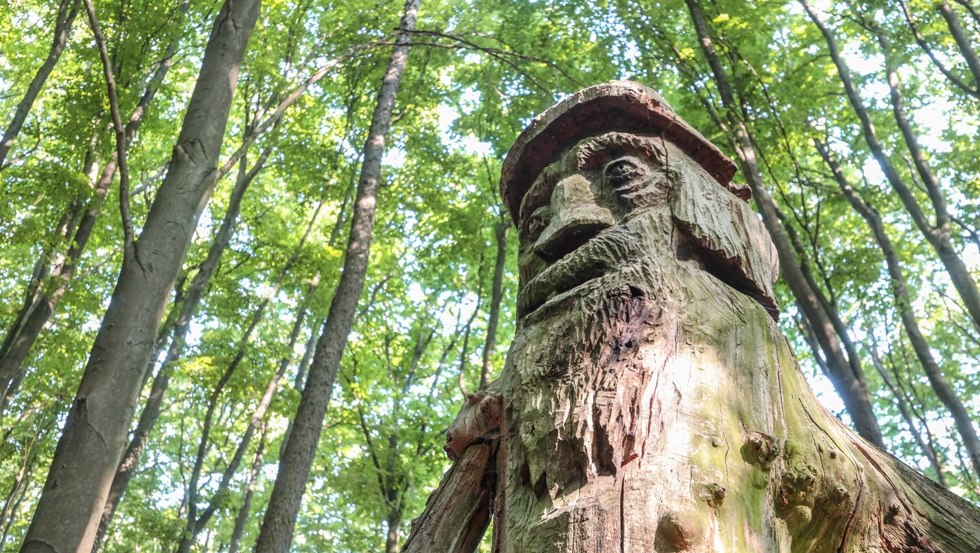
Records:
x=624, y=106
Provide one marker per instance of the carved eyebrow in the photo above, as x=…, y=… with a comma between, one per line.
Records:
x=539, y=192
x=591, y=153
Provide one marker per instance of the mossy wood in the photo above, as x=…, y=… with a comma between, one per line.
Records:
x=649, y=401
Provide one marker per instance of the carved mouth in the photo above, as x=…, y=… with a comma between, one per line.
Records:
x=571, y=274
x=542, y=289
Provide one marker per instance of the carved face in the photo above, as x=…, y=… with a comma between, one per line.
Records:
x=615, y=206
x=573, y=224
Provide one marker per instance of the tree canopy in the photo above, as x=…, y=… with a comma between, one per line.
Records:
x=855, y=125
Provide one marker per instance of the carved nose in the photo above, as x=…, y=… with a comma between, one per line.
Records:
x=575, y=218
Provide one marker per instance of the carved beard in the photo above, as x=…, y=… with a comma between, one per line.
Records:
x=581, y=388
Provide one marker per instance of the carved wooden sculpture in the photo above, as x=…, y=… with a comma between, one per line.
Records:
x=649, y=401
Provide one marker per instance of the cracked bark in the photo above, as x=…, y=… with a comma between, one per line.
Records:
x=71, y=503
x=649, y=401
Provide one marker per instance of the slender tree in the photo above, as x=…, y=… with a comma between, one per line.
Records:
x=94, y=434
x=297, y=456
x=64, y=19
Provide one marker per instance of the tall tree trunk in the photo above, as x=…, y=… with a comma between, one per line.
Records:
x=393, y=522
x=36, y=314
x=65, y=18
x=938, y=236
x=187, y=308
x=847, y=375
x=496, y=296
x=903, y=302
x=95, y=430
x=297, y=458
x=963, y=41
x=921, y=41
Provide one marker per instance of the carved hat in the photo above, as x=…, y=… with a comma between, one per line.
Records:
x=624, y=106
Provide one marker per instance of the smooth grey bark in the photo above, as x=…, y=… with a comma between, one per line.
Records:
x=195, y=522
x=36, y=313
x=903, y=302
x=186, y=306
x=496, y=296
x=848, y=377
x=94, y=436
x=298, y=453
x=937, y=235
x=963, y=41
x=65, y=18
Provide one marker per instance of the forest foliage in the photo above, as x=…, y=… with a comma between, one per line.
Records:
x=860, y=118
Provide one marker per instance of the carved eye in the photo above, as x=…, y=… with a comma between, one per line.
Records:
x=537, y=223
x=621, y=172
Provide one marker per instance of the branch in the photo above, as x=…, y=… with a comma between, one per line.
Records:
x=117, y=125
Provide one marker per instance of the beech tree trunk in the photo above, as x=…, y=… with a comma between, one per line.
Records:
x=300, y=448
x=82, y=217
x=71, y=503
x=649, y=401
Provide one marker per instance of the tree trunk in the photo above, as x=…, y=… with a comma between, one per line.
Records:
x=393, y=522
x=67, y=10
x=903, y=302
x=649, y=401
x=938, y=236
x=297, y=458
x=186, y=307
x=496, y=296
x=95, y=431
x=901, y=399
x=847, y=375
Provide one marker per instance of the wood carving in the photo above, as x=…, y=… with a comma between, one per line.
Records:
x=649, y=401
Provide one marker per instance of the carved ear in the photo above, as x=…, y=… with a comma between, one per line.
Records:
x=725, y=235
